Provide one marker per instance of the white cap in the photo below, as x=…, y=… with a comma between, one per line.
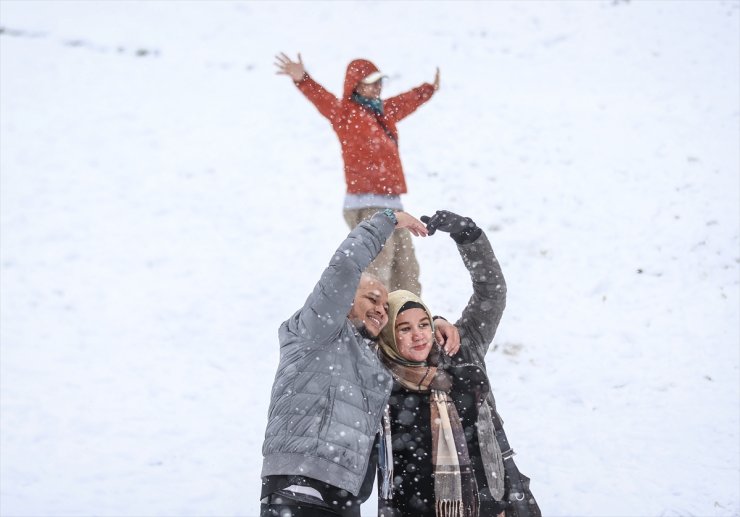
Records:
x=373, y=78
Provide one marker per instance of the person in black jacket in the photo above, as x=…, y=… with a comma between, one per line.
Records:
x=444, y=452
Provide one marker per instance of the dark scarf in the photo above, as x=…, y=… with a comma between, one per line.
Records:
x=374, y=104
x=455, y=488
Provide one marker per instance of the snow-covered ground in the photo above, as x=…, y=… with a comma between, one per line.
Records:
x=167, y=200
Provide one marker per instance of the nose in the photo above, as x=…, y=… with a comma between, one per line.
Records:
x=380, y=308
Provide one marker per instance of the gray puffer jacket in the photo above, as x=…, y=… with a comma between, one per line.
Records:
x=330, y=388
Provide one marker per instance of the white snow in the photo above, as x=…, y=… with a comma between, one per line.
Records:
x=167, y=200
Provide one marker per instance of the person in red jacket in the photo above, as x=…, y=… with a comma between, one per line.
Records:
x=366, y=127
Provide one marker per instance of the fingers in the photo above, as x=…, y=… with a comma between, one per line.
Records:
x=438, y=221
x=419, y=230
x=452, y=348
x=450, y=336
x=283, y=60
x=411, y=223
x=284, y=57
x=449, y=346
x=432, y=222
x=439, y=337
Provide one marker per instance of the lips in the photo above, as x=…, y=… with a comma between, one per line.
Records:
x=374, y=320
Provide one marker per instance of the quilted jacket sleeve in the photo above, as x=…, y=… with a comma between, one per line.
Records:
x=401, y=106
x=326, y=309
x=327, y=104
x=482, y=315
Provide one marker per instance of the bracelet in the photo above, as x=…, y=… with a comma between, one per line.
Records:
x=392, y=215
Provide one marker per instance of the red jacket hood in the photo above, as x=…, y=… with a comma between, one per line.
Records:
x=357, y=70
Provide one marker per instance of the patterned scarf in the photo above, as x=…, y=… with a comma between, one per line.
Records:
x=455, y=488
x=374, y=104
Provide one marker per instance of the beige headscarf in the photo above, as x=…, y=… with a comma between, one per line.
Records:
x=396, y=300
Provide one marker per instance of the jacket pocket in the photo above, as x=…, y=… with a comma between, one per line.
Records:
x=328, y=410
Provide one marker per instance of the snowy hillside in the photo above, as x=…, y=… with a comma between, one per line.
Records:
x=166, y=201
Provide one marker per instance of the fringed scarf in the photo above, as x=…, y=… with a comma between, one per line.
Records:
x=455, y=488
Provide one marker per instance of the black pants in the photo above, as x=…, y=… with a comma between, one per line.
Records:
x=293, y=508
x=347, y=505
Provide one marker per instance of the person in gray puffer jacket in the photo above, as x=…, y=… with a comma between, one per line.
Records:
x=331, y=389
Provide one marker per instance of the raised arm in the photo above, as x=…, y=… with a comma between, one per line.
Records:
x=403, y=105
x=483, y=312
x=325, y=101
x=327, y=307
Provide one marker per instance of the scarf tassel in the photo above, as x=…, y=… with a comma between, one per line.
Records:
x=385, y=457
x=448, y=508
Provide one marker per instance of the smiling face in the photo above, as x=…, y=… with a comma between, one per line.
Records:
x=370, y=308
x=413, y=334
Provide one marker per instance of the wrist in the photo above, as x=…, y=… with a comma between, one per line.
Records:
x=390, y=214
x=467, y=236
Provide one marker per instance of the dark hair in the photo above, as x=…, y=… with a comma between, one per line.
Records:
x=411, y=305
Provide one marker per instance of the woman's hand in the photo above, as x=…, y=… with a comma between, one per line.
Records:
x=411, y=223
x=287, y=66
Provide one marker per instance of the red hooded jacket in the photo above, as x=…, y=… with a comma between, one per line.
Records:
x=372, y=163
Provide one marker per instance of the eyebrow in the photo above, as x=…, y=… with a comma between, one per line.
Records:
x=422, y=320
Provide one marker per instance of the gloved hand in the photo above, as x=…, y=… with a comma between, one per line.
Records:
x=460, y=228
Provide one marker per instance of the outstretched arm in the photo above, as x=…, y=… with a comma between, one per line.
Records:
x=405, y=104
x=482, y=315
x=327, y=104
x=326, y=308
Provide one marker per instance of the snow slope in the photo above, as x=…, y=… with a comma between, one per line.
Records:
x=166, y=201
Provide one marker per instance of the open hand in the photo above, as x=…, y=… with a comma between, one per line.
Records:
x=287, y=66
